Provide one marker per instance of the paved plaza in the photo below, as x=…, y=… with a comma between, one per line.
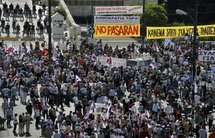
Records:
x=20, y=108
x=21, y=22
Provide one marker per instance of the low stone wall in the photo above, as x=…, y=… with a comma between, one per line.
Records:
x=74, y=29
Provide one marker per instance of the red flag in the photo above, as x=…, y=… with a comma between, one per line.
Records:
x=10, y=50
x=45, y=52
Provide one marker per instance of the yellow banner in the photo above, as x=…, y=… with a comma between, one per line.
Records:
x=178, y=31
x=117, y=30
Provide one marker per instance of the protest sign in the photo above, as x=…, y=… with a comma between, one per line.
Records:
x=115, y=62
x=178, y=31
x=116, y=20
x=118, y=10
x=117, y=30
x=206, y=55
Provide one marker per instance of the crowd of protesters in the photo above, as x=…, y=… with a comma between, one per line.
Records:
x=24, y=14
x=133, y=99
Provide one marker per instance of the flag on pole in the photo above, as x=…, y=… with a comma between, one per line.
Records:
x=156, y=48
x=195, y=87
x=153, y=64
x=93, y=57
x=10, y=50
x=13, y=80
x=179, y=48
x=108, y=111
x=167, y=41
x=90, y=111
x=77, y=79
x=109, y=62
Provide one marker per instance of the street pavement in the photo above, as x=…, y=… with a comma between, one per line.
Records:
x=20, y=108
x=21, y=23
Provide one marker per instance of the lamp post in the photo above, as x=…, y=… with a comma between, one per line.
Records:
x=142, y=36
x=194, y=45
x=49, y=30
x=92, y=18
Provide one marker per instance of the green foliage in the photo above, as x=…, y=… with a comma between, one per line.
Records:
x=208, y=38
x=61, y=11
x=177, y=24
x=155, y=15
x=55, y=2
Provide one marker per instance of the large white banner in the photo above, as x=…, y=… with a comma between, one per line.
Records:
x=206, y=55
x=118, y=10
x=116, y=20
x=112, y=62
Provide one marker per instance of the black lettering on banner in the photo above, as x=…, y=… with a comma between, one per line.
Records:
x=156, y=33
x=205, y=58
x=210, y=30
x=208, y=58
x=212, y=58
x=205, y=52
x=189, y=31
x=171, y=33
x=181, y=32
x=211, y=53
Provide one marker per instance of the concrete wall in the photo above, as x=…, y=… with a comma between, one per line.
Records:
x=80, y=10
x=74, y=29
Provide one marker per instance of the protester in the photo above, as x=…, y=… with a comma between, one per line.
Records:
x=15, y=123
x=151, y=100
x=23, y=13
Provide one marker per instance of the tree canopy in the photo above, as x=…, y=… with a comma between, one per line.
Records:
x=155, y=15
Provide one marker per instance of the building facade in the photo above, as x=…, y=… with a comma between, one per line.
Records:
x=83, y=8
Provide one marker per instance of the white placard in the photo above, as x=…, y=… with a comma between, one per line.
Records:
x=116, y=20
x=115, y=62
x=118, y=10
x=206, y=55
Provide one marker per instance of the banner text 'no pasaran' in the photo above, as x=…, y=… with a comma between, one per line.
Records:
x=115, y=30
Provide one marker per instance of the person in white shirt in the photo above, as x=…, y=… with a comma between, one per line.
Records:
x=155, y=107
x=37, y=117
x=197, y=99
x=75, y=99
x=168, y=110
x=15, y=123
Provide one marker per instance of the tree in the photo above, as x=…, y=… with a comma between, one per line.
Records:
x=155, y=15
x=160, y=2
